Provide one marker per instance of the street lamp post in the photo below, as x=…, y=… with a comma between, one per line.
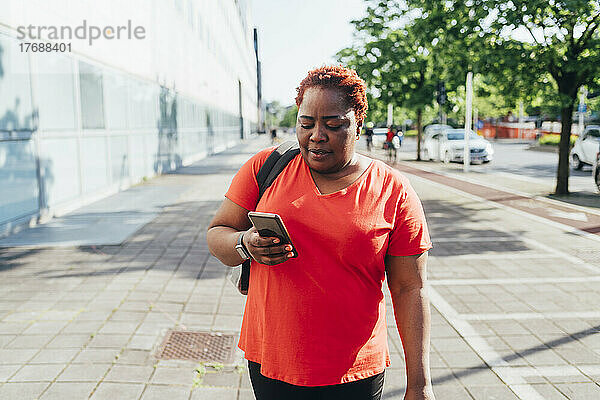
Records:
x=467, y=150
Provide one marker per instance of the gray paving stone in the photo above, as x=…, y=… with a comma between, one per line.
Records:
x=118, y=327
x=223, y=379
x=112, y=391
x=13, y=328
x=101, y=340
x=106, y=355
x=449, y=392
x=69, y=341
x=7, y=370
x=205, y=393
x=465, y=359
x=497, y=392
x=135, y=357
x=68, y=390
x=173, y=376
x=45, y=327
x=246, y=394
x=477, y=377
x=88, y=327
x=29, y=342
x=580, y=391
x=22, y=390
x=84, y=372
x=5, y=339
x=41, y=372
x=61, y=356
x=548, y=392
x=161, y=392
x=129, y=373
x=16, y=356
x=143, y=342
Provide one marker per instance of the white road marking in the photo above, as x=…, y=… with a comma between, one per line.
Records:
x=576, y=216
x=529, y=316
x=511, y=281
x=492, y=256
x=473, y=239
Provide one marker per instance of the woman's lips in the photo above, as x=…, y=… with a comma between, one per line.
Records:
x=318, y=154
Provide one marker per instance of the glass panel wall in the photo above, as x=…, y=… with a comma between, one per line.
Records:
x=92, y=99
x=55, y=91
x=18, y=179
x=16, y=110
x=117, y=100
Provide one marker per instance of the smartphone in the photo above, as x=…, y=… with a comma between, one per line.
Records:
x=271, y=225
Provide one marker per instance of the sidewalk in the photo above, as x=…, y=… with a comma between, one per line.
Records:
x=515, y=302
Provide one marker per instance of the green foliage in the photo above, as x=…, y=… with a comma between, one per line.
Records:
x=289, y=117
x=521, y=46
x=552, y=139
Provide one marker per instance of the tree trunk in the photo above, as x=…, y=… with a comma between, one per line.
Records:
x=419, y=133
x=564, y=147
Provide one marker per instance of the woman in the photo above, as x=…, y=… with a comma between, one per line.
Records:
x=314, y=326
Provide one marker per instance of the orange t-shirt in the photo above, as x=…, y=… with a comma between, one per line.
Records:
x=319, y=319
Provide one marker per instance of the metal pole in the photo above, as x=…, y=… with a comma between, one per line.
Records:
x=467, y=150
x=476, y=121
x=519, y=128
x=581, y=113
x=390, y=115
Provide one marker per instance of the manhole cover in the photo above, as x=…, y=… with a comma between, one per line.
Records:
x=198, y=346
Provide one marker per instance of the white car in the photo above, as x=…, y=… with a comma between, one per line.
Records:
x=586, y=147
x=433, y=128
x=448, y=145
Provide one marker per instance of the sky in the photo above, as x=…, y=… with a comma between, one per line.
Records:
x=298, y=35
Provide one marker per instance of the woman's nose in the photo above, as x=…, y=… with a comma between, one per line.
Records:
x=318, y=134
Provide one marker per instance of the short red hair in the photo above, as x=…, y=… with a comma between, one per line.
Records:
x=345, y=79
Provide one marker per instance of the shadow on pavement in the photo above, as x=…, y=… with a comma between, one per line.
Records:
x=532, y=350
x=450, y=221
x=585, y=199
x=11, y=258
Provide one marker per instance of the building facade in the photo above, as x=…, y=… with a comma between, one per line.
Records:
x=97, y=96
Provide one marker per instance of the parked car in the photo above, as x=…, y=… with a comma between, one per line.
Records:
x=585, y=148
x=448, y=145
x=433, y=128
x=596, y=172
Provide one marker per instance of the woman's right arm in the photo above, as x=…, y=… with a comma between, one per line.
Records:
x=229, y=222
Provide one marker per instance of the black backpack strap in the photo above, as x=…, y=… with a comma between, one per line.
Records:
x=274, y=164
x=268, y=172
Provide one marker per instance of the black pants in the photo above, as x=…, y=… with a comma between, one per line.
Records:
x=271, y=389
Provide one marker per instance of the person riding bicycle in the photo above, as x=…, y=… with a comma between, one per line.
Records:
x=389, y=143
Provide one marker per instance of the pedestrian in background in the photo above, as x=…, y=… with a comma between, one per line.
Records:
x=390, y=145
x=314, y=325
x=369, y=135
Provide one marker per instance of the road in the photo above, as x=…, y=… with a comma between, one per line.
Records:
x=529, y=166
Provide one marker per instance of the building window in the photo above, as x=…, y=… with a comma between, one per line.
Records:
x=92, y=99
x=16, y=110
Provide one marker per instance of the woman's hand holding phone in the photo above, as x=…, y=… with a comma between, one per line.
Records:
x=266, y=250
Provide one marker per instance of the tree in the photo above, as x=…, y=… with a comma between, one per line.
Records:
x=396, y=62
x=289, y=117
x=525, y=42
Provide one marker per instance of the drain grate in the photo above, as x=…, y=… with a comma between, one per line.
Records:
x=198, y=346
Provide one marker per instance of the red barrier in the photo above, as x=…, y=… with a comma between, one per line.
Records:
x=508, y=130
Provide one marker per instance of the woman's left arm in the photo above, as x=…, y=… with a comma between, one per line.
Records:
x=406, y=278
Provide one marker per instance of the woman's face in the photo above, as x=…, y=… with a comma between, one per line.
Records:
x=326, y=130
